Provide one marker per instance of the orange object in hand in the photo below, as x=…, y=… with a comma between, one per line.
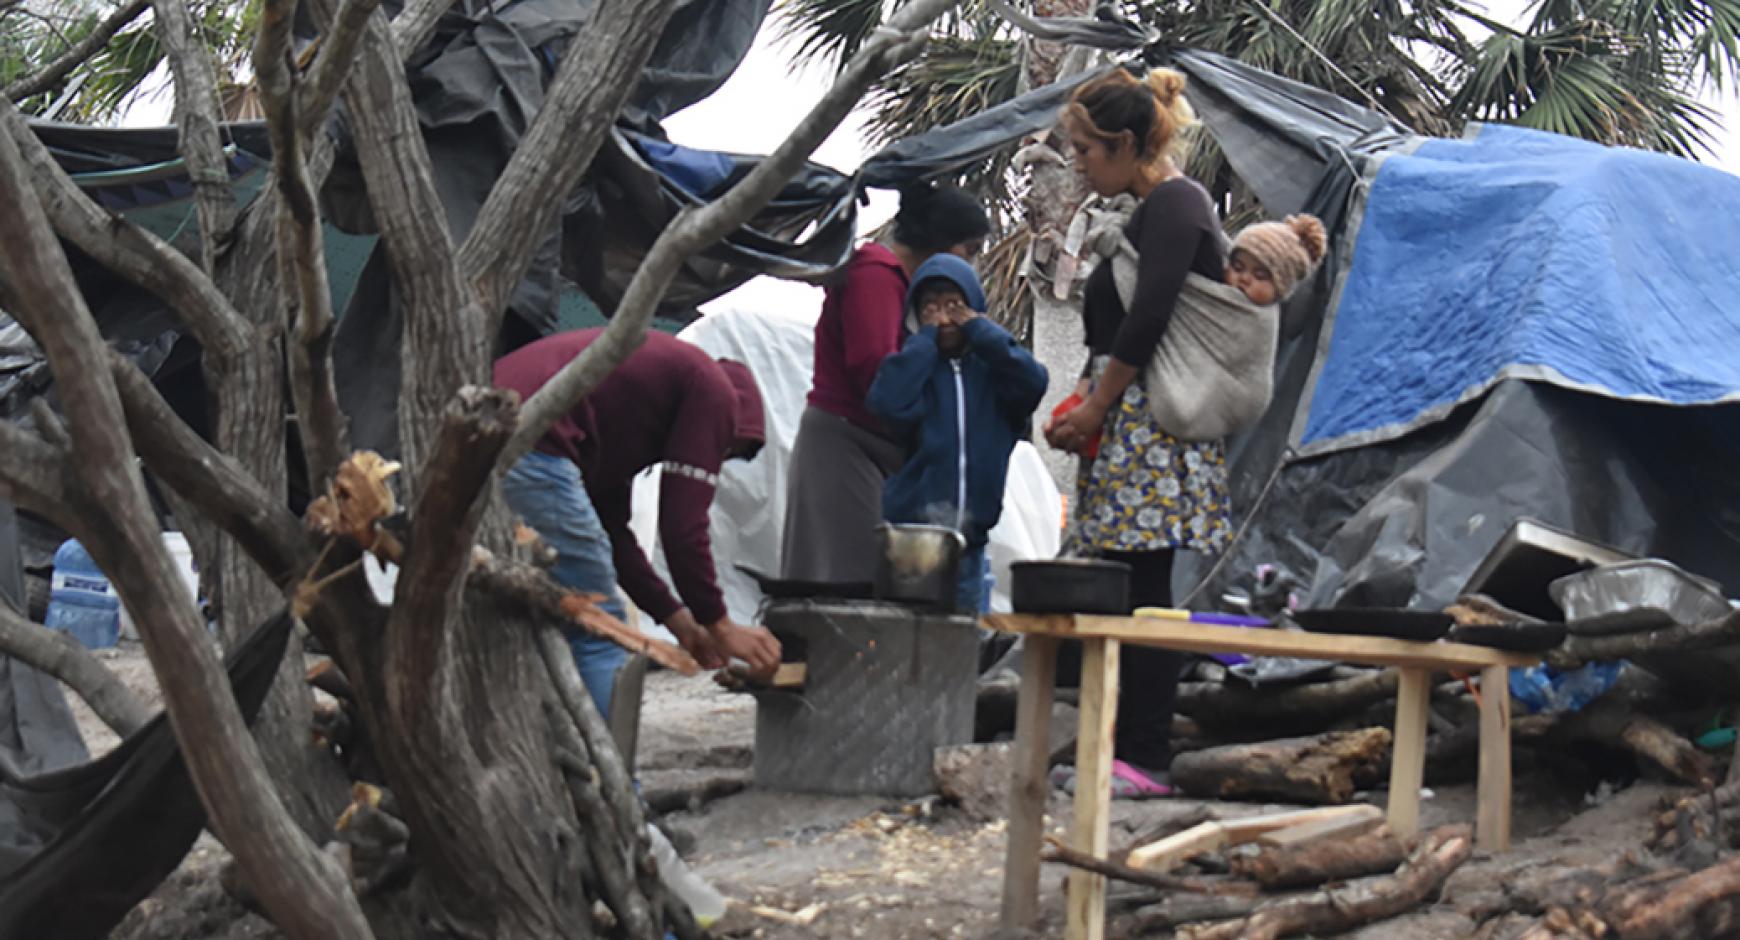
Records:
x=1089, y=450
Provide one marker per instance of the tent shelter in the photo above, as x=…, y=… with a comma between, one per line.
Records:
x=1511, y=324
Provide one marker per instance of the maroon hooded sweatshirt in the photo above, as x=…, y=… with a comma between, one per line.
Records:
x=669, y=403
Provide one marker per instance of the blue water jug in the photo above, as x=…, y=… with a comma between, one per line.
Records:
x=81, y=601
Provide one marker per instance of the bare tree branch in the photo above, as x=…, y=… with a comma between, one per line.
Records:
x=59, y=654
x=478, y=422
x=444, y=346
x=33, y=475
x=694, y=229
x=416, y=23
x=600, y=68
x=210, y=480
x=332, y=66
x=76, y=54
x=301, y=248
x=197, y=116
x=300, y=887
x=128, y=250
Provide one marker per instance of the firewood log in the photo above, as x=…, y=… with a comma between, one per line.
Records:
x=1356, y=904
x=1321, y=862
x=1325, y=768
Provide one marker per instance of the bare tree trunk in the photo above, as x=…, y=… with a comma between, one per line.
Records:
x=111, y=514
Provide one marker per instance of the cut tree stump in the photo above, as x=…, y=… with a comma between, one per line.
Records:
x=1376, y=851
x=1322, y=769
x=1363, y=902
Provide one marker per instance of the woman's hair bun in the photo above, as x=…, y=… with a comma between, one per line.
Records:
x=1166, y=84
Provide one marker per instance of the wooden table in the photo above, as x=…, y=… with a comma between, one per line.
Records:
x=1101, y=639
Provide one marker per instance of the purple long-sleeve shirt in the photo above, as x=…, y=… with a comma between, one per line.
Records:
x=670, y=403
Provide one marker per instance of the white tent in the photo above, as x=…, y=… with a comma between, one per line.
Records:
x=749, y=511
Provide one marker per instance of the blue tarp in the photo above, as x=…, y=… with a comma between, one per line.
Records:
x=1521, y=254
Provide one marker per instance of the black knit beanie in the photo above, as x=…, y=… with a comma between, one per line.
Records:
x=935, y=218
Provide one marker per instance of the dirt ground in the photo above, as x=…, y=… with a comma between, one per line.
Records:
x=805, y=866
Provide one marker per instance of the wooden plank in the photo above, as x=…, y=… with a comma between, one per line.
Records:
x=1252, y=828
x=1029, y=789
x=1093, y=786
x=1408, y=760
x=1362, y=820
x=1175, y=850
x=1492, y=827
x=1206, y=638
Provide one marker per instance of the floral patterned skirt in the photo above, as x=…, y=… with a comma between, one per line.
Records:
x=1147, y=490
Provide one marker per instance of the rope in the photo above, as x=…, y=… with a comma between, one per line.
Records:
x=1271, y=14
x=1227, y=553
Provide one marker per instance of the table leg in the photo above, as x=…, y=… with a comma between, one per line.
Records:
x=1029, y=789
x=1093, y=785
x=1408, y=758
x=1493, y=829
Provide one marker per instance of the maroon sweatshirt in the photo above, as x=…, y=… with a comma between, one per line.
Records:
x=859, y=327
x=669, y=403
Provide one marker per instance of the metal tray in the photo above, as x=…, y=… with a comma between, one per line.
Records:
x=1528, y=558
x=1637, y=595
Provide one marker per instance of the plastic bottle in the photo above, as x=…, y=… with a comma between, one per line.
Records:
x=81, y=601
x=707, y=904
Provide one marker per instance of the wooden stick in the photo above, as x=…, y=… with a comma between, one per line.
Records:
x=1062, y=854
x=1361, y=820
x=1173, y=851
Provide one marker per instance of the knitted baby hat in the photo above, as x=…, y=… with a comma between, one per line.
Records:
x=1291, y=250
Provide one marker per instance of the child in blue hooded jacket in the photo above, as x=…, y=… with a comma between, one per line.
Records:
x=961, y=392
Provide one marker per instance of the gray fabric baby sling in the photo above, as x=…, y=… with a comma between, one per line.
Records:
x=1213, y=373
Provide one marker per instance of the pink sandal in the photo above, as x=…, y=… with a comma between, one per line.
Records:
x=1128, y=783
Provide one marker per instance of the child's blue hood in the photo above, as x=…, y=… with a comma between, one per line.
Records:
x=950, y=268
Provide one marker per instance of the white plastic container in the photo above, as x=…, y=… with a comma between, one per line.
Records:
x=182, y=554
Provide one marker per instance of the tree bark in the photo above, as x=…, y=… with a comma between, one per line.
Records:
x=301, y=247
x=1320, y=862
x=1178, y=910
x=1363, y=902
x=1579, y=650
x=694, y=229
x=1327, y=768
x=197, y=116
x=599, y=69
x=1298, y=709
x=111, y=514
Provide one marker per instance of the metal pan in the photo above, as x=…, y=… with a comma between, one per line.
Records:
x=1422, y=626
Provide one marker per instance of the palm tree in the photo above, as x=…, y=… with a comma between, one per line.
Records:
x=101, y=86
x=1614, y=71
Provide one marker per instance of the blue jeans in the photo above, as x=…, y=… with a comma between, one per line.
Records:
x=548, y=494
x=970, y=599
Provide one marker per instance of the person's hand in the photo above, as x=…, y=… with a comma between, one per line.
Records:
x=696, y=640
x=1072, y=430
x=754, y=645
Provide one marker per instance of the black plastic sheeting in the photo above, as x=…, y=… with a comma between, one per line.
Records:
x=82, y=845
x=1405, y=523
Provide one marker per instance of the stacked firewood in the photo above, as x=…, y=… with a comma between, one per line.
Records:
x=1314, y=872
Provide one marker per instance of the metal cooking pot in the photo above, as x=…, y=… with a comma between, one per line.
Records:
x=919, y=564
